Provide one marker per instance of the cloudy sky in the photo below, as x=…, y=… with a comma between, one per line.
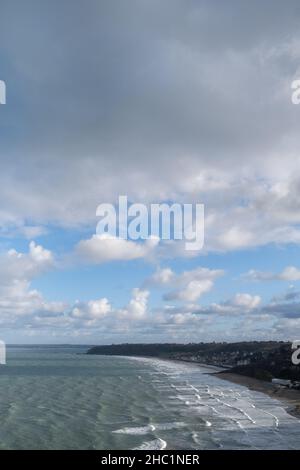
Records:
x=186, y=101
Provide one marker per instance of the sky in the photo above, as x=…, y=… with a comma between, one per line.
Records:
x=182, y=101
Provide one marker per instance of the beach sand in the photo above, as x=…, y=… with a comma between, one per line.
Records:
x=290, y=398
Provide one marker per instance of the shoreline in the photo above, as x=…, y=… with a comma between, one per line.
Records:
x=289, y=398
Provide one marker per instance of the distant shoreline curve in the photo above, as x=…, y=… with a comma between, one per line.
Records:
x=289, y=398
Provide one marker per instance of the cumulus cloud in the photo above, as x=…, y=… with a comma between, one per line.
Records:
x=161, y=277
x=93, y=309
x=246, y=300
x=137, y=307
x=23, y=307
x=17, y=270
x=26, y=308
x=191, y=291
x=103, y=248
x=290, y=273
x=187, y=286
x=240, y=304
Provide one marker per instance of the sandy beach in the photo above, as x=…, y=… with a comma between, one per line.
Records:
x=290, y=398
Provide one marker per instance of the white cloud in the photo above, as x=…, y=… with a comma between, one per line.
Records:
x=191, y=291
x=236, y=238
x=189, y=285
x=93, y=309
x=104, y=248
x=240, y=304
x=246, y=301
x=290, y=273
x=137, y=307
x=18, y=269
x=24, y=307
x=160, y=277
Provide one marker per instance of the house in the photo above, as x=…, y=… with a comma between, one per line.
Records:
x=243, y=362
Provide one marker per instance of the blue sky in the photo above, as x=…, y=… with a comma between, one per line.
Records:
x=172, y=102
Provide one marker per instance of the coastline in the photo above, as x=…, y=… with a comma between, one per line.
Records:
x=289, y=398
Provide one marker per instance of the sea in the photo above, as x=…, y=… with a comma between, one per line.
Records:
x=57, y=397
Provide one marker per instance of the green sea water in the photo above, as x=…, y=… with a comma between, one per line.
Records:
x=60, y=398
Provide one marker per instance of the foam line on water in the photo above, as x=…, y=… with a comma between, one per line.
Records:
x=135, y=430
x=140, y=430
x=156, y=444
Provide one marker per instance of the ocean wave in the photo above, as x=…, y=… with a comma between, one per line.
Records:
x=156, y=444
x=139, y=430
x=135, y=430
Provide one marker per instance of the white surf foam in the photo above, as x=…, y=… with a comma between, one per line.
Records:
x=156, y=444
x=136, y=430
